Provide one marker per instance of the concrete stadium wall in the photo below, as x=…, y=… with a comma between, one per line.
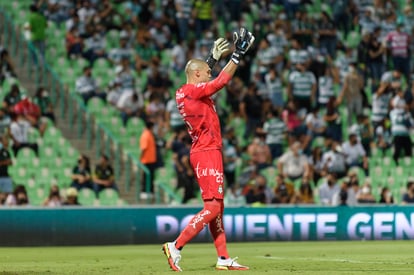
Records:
x=133, y=225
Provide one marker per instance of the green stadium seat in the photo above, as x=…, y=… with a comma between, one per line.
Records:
x=36, y=196
x=86, y=197
x=108, y=197
x=95, y=105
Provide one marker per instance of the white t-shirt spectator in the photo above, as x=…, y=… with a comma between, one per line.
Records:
x=316, y=121
x=96, y=43
x=175, y=117
x=85, y=85
x=335, y=162
x=353, y=153
x=117, y=54
x=125, y=101
x=398, y=102
x=293, y=166
x=86, y=13
x=178, y=57
x=20, y=130
x=327, y=194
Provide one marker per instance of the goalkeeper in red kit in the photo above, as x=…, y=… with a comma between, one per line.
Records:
x=198, y=112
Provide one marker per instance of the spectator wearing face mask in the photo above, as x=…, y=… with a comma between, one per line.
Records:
x=54, y=199
x=6, y=184
x=355, y=153
x=365, y=194
x=329, y=190
x=18, y=197
x=293, y=164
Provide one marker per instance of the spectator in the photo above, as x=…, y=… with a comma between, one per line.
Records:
x=375, y=58
x=354, y=153
x=386, y=196
x=38, y=25
x=187, y=177
x=381, y=100
x=234, y=196
x=130, y=105
x=293, y=164
x=74, y=43
x=297, y=55
x=267, y=57
x=342, y=196
x=326, y=86
x=383, y=137
x=144, y=53
x=6, y=183
x=5, y=122
x=274, y=88
x=230, y=157
x=176, y=144
x=258, y=191
x=353, y=188
x=178, y=56
x=95, y=46
x=54, y=199
x=334, y=160
x=125, y=75
x=71, y=197
x=398, y=42
x=86, y=86
x=315, y=162
x=12, y=98
x=364, y=132
x=116, y=55
x=44, y=102
x=251, y=110
x=259, y=153
x=19, y=132
x=293, y=120
x=284, y=191
x=315, y=127
x=172, y=116
x=203, y=16
x=274, y=129
x=351, y=91
x=398, y=101
x=305, y=193
x=18, y=197
x=333, y=120
x=408, y=196
x=103, y=176
x=302, y=87
x=329, y=190
x=401, y=123
x=114, y=92
x=86, y=12
x=327, y=34
x=183, y=17
x=81, y=174
x=365, y=194
x=148, y=157
x=7, y=69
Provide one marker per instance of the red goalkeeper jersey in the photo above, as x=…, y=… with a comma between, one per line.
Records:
x=199, y=112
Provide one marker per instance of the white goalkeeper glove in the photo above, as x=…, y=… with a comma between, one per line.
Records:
x=220, y=46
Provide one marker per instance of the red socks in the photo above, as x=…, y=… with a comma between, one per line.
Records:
x=211, y=214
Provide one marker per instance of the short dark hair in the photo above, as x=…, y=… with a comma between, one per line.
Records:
x=409, y=184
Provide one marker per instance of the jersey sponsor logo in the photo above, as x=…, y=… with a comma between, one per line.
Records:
x=179, y=95
x=209, y=172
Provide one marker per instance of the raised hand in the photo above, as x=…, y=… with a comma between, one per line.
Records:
x=242, y=42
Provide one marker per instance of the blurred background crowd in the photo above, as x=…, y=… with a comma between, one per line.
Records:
x=319, y=111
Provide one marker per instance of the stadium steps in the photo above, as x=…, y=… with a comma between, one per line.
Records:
x=79, y=143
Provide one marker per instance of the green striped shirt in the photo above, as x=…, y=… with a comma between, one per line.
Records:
x=302, y=83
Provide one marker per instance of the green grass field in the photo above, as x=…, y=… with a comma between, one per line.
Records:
x=390, y=257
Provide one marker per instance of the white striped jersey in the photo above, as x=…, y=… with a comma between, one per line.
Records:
x=380, y=105
x=325, y=89
x=274, y=129
x=400, y=122
x=302, y=83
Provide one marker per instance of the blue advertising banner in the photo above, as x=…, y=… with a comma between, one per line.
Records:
x=138, y=225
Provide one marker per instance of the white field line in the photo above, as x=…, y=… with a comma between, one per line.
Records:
x=320, y=259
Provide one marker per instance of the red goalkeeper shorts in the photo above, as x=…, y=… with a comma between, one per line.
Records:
x=208, y=170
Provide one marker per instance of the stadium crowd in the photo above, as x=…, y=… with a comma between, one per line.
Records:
x=315, y=109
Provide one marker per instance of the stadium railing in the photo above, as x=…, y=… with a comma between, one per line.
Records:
x=70, y=106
